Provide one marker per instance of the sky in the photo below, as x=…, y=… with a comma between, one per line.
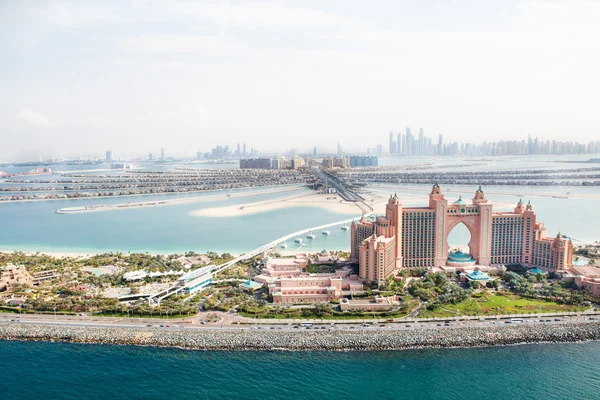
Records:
x=78, y=78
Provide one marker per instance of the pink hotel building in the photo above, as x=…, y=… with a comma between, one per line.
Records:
x=418, y=237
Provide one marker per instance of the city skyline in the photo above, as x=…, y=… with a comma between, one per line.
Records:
x=188, y=79
x=410, y=146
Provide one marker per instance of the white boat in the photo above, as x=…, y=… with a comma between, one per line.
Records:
x=325, y=232
x=345, y=227
x=283, y=245
x=310, y=235
x=298, y=240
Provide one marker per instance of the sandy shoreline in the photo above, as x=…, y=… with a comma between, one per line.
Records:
x=56, y=254
x=303, y=340
x=330, y=202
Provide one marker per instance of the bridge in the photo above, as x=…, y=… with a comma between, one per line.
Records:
x=200, y=277
x=345, y=193
x=185, y=281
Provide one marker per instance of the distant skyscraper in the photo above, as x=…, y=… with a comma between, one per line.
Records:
x=108, y=155
x=379, y=150
x=391, y=143
x=315, y=151
x=410, y=143
x=244, y=149
x=440, y=149
x=239, y=150
x=339, y=151
x=162, y=153
x=399, y=143
x=150, y=156
x=421, y=142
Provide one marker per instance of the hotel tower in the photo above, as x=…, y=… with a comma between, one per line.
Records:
x=408, y=237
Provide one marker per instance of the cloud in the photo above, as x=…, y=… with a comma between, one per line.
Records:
x=28, y=116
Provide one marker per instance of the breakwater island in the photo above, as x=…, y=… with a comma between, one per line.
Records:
x=299, y=340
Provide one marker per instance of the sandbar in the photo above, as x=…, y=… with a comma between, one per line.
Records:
x=330, y=202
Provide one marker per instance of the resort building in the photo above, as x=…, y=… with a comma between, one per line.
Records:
x=314, y=288
x=195, y=280
x=284, y=266
x=420, y=237
x=43, y=276
x=377, y=258
x=13, y=275
x=586, y=277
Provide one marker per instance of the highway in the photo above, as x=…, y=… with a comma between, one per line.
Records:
x=241, y=323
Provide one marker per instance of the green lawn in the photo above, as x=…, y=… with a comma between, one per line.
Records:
x=493, y=304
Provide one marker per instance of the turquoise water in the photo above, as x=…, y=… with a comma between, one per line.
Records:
x=173, y=228
x=166, y=229
x=68, y=371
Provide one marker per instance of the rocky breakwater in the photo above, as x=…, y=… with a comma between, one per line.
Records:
x=337, y=340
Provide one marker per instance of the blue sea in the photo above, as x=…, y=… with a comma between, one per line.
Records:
x=39, y=370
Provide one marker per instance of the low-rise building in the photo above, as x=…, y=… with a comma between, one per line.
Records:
x=379, y=303
x=586, y=277
x=250, y=286
x=314, y=288
x=13, y=275
x=284, y=266
x=43, y=276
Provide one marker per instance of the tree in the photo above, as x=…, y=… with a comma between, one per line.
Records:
x=474, y=284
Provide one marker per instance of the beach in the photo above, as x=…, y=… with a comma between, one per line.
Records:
x=330, y=202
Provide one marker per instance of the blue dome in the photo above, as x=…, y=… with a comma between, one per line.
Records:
x=478, y=276
x=459, y=201
x=459, y=256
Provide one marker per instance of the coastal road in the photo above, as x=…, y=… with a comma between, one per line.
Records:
x=231, y=324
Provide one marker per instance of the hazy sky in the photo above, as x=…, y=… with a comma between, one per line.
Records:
x=81, y=77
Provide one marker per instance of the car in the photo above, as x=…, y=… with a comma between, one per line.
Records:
x=407, y=326
x=439, y=324
x=296, y=327
x=149, y=325
x=162, y=326
x=381, y=325
x=557, y=319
